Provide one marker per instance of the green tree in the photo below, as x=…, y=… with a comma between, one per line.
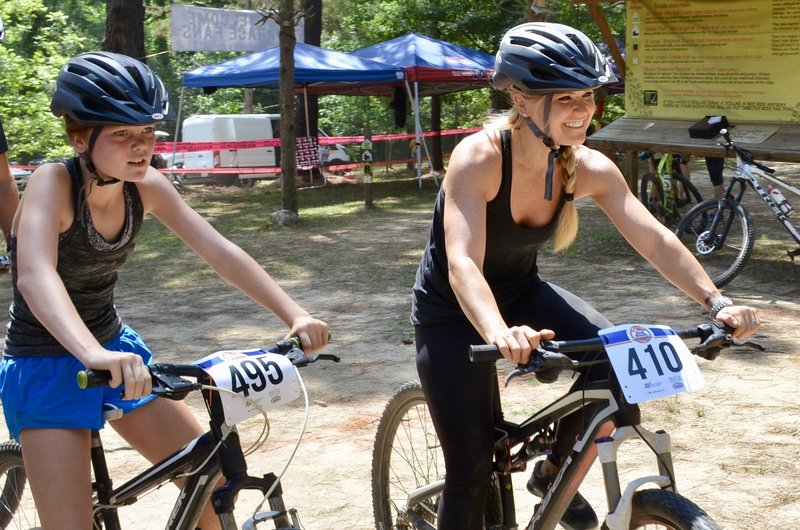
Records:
x=40, y=39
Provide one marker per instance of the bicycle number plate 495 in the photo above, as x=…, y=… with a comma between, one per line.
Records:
x=650, y=362
x=254, y=379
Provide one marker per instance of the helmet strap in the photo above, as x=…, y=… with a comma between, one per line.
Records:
x=546, y=140
x=90, y=165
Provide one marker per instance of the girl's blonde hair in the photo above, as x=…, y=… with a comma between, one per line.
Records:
x=567, y=160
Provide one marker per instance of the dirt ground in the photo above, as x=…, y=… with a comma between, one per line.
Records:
x=736, y=441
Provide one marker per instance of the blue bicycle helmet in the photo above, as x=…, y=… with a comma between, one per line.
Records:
x=104, y=88
x=544, y=57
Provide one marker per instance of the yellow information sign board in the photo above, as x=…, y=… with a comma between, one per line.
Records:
x=692, y=58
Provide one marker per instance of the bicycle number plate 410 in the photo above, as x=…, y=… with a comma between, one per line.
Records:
x=650, y=362
x=252, y=381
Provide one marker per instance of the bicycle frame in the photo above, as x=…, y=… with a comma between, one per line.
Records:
x=603, y=436
x=667, y=164
x=200, y=463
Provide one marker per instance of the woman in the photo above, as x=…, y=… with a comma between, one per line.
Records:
x=508, y=190
x=75, y=227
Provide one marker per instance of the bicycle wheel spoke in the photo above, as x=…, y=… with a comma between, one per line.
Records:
x=407, y=458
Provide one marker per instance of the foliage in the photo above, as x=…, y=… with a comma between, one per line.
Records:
x=40, y=37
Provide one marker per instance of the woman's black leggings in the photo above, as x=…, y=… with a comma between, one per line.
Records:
x=462, y=395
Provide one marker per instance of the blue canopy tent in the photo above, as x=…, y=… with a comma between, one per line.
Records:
x=339, y=73
x=313, y=65
x=433, y=67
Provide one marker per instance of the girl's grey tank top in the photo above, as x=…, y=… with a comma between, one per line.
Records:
x=88, y=265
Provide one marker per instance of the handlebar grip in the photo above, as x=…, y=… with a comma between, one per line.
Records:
x=93, y=379
x=484, y=352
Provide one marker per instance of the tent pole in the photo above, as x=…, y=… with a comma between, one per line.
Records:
x=177, y=129
x=421, y=141
x=308, y=131
x=414, y=97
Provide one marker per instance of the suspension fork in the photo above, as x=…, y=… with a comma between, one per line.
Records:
x=731, y=199
x=620, y=504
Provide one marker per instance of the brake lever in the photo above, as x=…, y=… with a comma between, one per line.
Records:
x=542, y=359
x=299, y=358
x=719, y=338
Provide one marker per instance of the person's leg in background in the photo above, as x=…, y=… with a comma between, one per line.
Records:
x=715, y=166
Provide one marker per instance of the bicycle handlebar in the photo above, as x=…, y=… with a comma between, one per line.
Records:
x=168, y=379
x=714, y=336
x=744, y=154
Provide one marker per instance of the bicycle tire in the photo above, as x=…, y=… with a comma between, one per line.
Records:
x=406, y=455
x=17, y=509
x=722, y=262
x=656, y=508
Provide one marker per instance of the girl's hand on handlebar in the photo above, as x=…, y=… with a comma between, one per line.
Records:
x=313, y=334
x=126, y=369
x=741, y=318
x=517, y=342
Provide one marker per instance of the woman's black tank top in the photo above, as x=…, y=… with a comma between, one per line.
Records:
x=509, y=263
x=87, y=264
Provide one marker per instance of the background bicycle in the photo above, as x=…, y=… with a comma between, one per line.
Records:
x=236, y=385
x=666, y=191
x=721, y=232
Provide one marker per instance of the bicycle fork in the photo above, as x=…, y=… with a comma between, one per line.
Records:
x=620, y=504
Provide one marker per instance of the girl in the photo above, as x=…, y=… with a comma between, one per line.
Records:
x=509, y=190
x=75, y=227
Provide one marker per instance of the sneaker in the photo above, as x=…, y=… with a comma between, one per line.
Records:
x=579, y=514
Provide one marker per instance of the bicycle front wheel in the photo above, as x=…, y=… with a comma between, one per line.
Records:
x=724, y=250
x=406, y=457
x=17, y=510
x=667, y=510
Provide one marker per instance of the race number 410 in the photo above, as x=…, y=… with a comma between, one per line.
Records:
x=650, y=362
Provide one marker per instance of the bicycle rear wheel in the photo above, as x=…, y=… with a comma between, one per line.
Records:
x=406, y=456
x=667, y=510
x=17, y=510
x=723, y=252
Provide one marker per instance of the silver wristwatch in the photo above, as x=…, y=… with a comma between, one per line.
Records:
x=722, y=301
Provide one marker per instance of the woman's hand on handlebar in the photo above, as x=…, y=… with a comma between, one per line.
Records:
x=741, y=318
x=517, y=342
x=126, y=369
x=313, y=333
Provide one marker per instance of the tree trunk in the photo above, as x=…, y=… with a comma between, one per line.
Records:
x=308, y=111
x=286, y=105
x=437, y=160
x=125, y=28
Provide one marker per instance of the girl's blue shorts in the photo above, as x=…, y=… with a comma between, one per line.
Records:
x=42, y=391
